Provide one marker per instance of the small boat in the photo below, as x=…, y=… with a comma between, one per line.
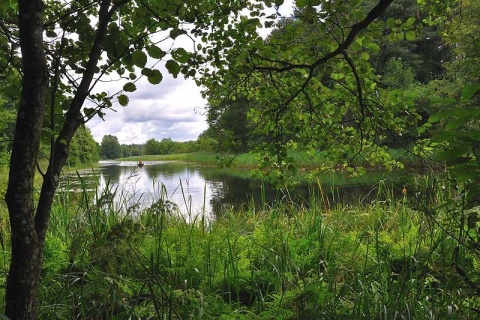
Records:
x=140, y=163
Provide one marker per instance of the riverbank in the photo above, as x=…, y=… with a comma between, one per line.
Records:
x=382, y=260
x=302, y=161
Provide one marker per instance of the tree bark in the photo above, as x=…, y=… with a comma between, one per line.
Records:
x=29, y=223
x=24, y=275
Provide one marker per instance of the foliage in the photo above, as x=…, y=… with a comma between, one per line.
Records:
x=397, y=75
x=59, y=51
x=297, y=89
x=165, y=146
x=455, y=126
x=151, y=146
x=311, y=87
x=83, y=149
x=314, y=85
x=7, y=126
x=110, y=147
x=168, y=146
x=228, y=125
x=132, y=150
x=420, y=46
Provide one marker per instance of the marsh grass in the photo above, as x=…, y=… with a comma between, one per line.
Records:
x=382, y=259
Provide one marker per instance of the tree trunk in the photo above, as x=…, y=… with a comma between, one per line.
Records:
x=27, y=248
x=29, y=224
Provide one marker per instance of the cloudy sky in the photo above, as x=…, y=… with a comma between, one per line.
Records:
x=172, y=109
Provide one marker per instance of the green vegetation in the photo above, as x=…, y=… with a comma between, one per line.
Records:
x=110, y=148
x=206, y=158
x=305, y=162
x=83, y=149
x=382, y=260
x=336, y=86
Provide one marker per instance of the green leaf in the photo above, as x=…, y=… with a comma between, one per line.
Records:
x=172, y=67
x=469, y=91
x=50, y=34
x=147, y=72
x=410, y=35
x=139, y=59
x=441, y=115
x=11, y=91
x=365, y=56
x=181, y=55
x=155, y=52
x=174, y=33
x=454, y=124
x=373, y=47
x=89, y=112
x=155, y=77
x=129, y=87
x=301, y=3
x=122, y=100
x=390, y=23
x=269, y=24
x=410, y=21
x=258, y=42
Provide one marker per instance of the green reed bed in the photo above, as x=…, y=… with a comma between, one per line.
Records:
x=381, y=260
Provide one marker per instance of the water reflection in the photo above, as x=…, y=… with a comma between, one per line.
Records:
x=181, y=185
x=195, y=189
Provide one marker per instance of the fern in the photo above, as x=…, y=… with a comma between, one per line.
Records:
x=276, y=308
x=276, y=312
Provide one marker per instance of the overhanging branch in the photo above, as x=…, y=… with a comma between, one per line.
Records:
x=355, y=30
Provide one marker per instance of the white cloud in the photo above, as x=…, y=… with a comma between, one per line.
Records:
x=171, y=109
x=167, y=110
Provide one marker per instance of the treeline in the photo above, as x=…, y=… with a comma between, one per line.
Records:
x=110, y=147
x=83, y=148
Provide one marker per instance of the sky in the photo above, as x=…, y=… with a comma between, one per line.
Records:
x=172, y=109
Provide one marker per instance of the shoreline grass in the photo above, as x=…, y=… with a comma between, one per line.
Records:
x=382, y=260
x=251, y=160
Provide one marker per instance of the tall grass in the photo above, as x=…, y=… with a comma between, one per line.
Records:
x=378, y=260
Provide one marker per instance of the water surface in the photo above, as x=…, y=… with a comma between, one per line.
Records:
x=197, y=189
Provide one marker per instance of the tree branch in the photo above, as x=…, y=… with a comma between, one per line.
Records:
x=356, y=29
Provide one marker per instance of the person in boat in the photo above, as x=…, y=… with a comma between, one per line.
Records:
x=140, y=163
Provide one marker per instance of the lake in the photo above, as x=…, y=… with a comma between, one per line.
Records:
x=198, y=189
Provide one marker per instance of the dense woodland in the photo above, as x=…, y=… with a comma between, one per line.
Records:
x=348, y=80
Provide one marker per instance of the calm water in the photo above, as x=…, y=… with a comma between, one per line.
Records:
x=198, y=189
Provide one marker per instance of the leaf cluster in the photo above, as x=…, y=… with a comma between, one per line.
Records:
x=311, y=85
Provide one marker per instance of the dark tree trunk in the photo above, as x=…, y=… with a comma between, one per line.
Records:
x=24, y=274
x=28, y=222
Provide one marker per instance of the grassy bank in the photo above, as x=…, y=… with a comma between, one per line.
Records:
x=251, y=160
x=203, y=158
x=384, y=260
